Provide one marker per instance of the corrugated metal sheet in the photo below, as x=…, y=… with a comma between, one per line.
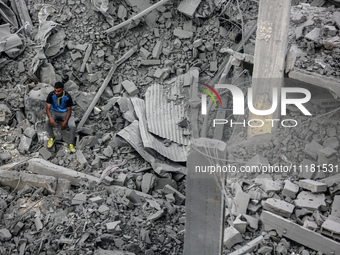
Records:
x=132, y=135
x=164, y=110
x=174, y=151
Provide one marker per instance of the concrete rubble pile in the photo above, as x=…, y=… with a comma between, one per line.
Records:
x=123, y=191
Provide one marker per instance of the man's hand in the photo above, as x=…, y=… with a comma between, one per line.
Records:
x=52, y=122
x=63, y=125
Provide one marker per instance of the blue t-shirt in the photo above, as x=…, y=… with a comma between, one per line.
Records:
x=59, y=104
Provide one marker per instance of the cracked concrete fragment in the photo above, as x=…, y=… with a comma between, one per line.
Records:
x=310, y=201
x=278, y=206
x=231, y=237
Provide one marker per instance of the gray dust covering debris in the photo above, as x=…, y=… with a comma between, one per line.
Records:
x=138, y=71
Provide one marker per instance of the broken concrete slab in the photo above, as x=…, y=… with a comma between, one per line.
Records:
x=178, y=195
x=312, y=149
x=299, y=234
x=313, y=186
x=336, y=206
x=148, y=182
x=5, y=235
x=249, y=247
x=63, y=186
x=331, y=227
x=45, y=153
x=279, y=207
x=310, y=200
x=188, y=7
x=17, y=179
x=44, y=167
x=180, y=33
x=130, y=87
x=290, y=189
x=79, y=199
x=231, y=237
x=252, y=221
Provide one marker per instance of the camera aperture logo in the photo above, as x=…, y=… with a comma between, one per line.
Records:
x=239, y=105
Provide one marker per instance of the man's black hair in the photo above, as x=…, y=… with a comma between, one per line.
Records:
x=59, y=85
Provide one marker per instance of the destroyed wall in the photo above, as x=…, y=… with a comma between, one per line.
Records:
x=138, y=207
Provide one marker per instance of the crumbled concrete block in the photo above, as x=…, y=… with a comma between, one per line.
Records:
x=330, y=30
x=240, y=225
x=5, y=156
x=38, y=223
x=213, y=66
x=313, y=186
x=161, y=182
x=103, y=208
x=80, y=157
x=120, y=180
x=209, y=46
x=130, y=87
x=314, y=35
x=145, y=52
x=331, y=142
x=310, y=200
x=133, y=197
x=182, y=33
x=231, y=237
x=148, y=182
x=156, y=215
x=15, y=231
x=278, y=206
x=25, y=144
x=45, y=153
x=21, y=67
x=312, y=149
x=327, y=152
x=157, y=50
x=336, y=206
x=265, y=250
x=298, y=17
x=98, y=200
x=178, y=195
x=63, y=186
x=310, y=225
x=111, y=226
x=150, y=62
x=290, y=189
x=76, y=55
x=156, y=32
x=336, y=18
x=188, y=7
x=252, y=221
x=11, y=179
x=242, y=201
x=170, y=198
x=331, y=227
x=79, y=199
x=5, y=235
x=30, y=132
x=158, y=73
x=197, y=43
x=267, y=184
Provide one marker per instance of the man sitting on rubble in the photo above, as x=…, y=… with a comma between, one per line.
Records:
x=59, y=108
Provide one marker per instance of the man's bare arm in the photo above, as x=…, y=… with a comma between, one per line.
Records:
x=49, y=114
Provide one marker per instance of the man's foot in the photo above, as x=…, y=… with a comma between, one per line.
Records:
x=71, y=147
x=50, y=143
